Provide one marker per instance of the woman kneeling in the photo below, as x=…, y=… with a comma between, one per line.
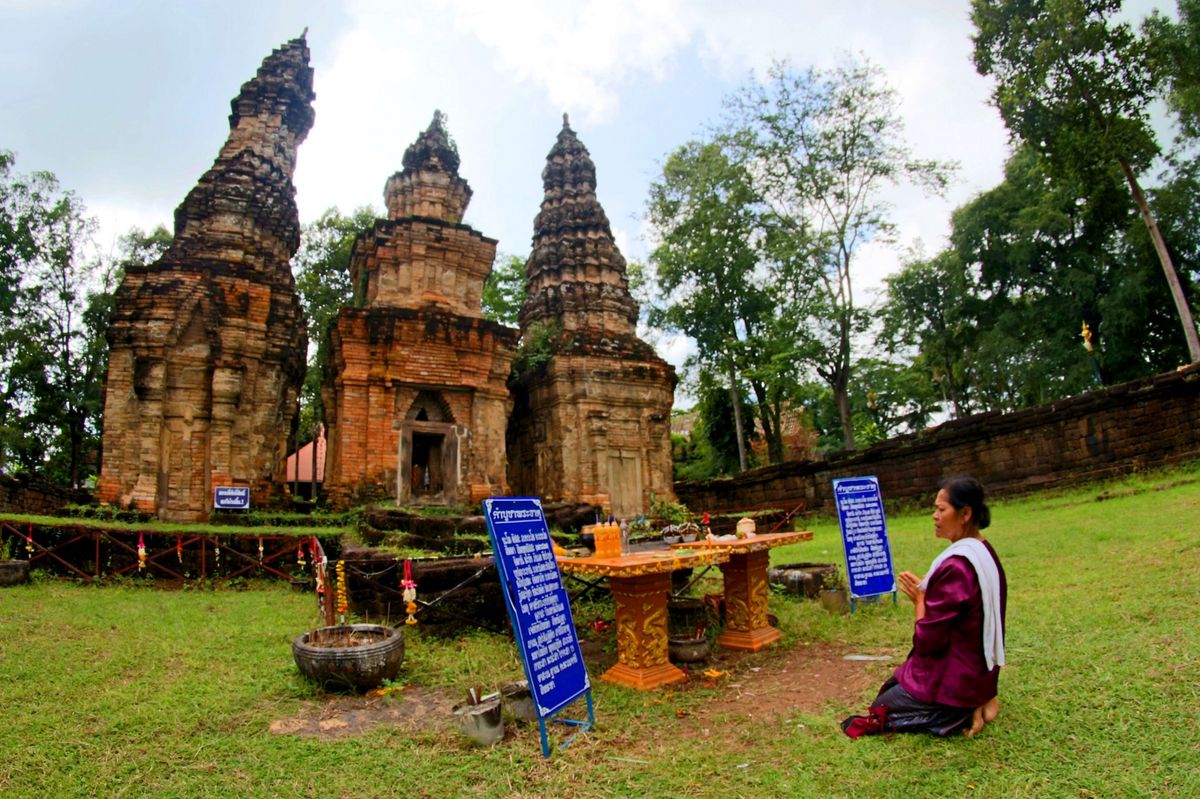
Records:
x=948, y=682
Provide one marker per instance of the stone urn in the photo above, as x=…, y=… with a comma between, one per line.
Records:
x=835, y=600
x=349, y=656
x=483, y=723
x=517, y=699
x=14, y=572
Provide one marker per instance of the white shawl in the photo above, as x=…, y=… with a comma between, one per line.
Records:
x=989, y=584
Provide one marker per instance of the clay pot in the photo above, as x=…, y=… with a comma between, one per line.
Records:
x=518, y=701
x=687, y=650
x=482, y=723
x=355, y=656
x=14, y=572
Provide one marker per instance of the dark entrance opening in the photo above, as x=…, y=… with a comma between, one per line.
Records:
x=427, y=478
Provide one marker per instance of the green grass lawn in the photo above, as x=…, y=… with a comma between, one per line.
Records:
x=125, y=691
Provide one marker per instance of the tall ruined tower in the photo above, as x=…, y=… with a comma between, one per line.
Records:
x=207, y=345
x=417, y=402
x=591, y=421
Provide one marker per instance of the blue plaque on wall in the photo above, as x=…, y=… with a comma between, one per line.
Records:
x=231, y=498
x=864, y=536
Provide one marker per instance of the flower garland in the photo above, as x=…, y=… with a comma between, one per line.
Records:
x=343, y=602
x=141, y=552
x=410, y=593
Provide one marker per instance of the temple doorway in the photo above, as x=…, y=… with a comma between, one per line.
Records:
x=428, y=463
x=426, y=473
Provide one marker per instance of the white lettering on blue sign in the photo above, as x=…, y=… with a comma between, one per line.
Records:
x=864, y=536
x=231, y=498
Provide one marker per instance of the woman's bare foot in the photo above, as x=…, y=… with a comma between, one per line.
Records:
x=984, y=714
x=977, y=723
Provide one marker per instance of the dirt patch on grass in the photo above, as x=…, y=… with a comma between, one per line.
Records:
x=806, y=679
x=411, y=708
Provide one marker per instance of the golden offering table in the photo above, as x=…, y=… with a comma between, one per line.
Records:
x=746, y=591
x=640, y=583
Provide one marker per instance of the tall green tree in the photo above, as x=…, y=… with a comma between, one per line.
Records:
x=49, y=387
x=322, y=268
x=928, y=312
x=822, y=146
x=1077, y=85
x=703, y=211
x=1175, y=46
x=997, y=317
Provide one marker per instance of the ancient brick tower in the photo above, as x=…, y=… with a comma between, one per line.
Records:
x=207, y=347
x=592, y=422
x=417, y=401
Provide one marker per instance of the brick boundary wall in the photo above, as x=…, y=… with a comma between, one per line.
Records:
x=36, y=497
x=1123, y=428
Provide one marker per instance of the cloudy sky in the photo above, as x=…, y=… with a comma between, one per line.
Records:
x=126, y=101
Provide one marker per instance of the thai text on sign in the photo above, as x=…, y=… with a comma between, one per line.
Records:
x=864, y=536
x=231, y=498
x=537, y=602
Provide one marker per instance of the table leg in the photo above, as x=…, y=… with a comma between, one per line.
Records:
x=746, y=592
x=641, y=604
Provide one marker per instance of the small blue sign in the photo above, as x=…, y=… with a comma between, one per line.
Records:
x=231, y=498
x=864, y=536
x=537, y=602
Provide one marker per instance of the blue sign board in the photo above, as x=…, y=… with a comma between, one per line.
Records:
x=537, y=602
x=864, y=536
x=231, y=498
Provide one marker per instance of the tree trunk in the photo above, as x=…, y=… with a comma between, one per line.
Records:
x=770, y=423
x=1164, y=257
x=843, y=403
x=75, y=421
x=737, y=417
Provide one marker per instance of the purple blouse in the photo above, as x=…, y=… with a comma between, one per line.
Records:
x=946, y=664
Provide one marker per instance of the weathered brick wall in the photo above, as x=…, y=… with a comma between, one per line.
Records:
x=35, y=497
x=1119, y=429
x=586, y=414
x=385, y=357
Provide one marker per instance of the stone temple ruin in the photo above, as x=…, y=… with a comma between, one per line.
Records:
x=207, y=345
x=423, y=404
x=417, y=401
x=593, y=423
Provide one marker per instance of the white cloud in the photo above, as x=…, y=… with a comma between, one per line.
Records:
x=584, y=55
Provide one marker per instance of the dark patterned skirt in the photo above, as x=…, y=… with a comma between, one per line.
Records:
x=896, y=710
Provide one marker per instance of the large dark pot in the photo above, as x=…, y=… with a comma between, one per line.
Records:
x=687, y=650
x=14, y=572
x=684, y=615
x=804, y=579
x=357, y=656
